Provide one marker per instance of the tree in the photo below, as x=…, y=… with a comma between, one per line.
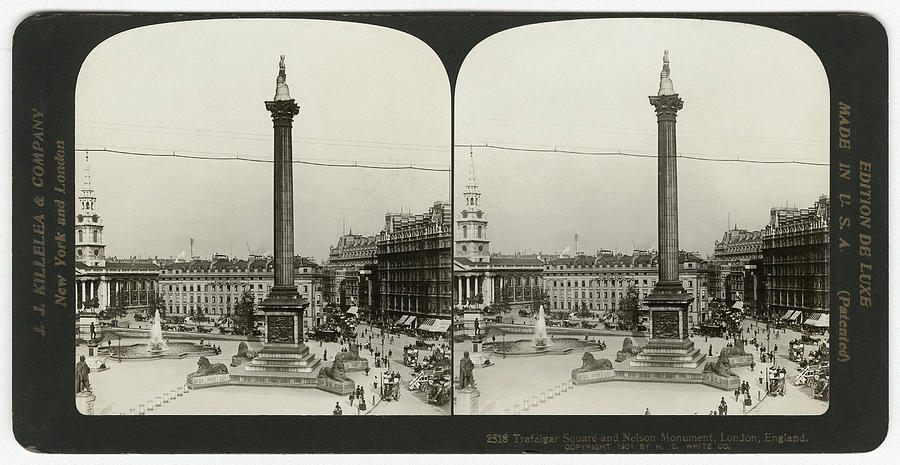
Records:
x=244, y=314
x=629, y=312
x=502, y=304
x=115, y=309
x=157, y=303
x=542, y=298
x=583, y=312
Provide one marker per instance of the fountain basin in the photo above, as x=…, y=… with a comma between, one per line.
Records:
x=141, y=351
x=527, y=347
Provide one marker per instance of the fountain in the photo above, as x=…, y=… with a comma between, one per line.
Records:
x=541, y=339
x=156, y=348
x=156, y=343
x=541, y=343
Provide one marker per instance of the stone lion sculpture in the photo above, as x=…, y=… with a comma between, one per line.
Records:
x=335, y=371
x=244, y=351
x=628, y=346
x=205, y=368
x=720, y=367
x=628, y=349
x=592, y=364
x=737, y=349
x=244, y=354
x=350, y=355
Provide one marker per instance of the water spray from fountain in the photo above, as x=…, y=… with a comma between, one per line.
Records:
x=156, y=343
x=541, y=339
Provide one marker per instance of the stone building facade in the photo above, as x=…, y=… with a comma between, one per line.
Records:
x=213, y=287
x=795, y=261
x=598, y=283
x=736, y=271
x=414, y=266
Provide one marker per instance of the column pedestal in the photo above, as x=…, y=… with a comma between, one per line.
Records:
x=465, y=401
x=84, y=402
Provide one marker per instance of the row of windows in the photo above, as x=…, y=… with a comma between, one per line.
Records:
x=614, y=283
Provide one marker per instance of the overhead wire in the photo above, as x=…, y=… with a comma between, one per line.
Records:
x=257, y=160
x=614, y=153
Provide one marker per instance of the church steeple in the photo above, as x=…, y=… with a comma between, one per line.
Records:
x=87, y=198
x=471, y=227
x=89, y=247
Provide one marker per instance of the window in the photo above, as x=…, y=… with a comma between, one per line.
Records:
x=479, y=232
x=465, y=232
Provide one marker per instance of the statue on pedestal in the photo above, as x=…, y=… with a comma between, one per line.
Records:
x=82, y=383
x=466, y=372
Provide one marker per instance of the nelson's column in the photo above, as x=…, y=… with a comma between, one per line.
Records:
x=284, y=359
x=670, y=355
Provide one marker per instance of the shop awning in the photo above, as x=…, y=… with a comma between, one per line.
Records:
x=426, y=324
x=738, y=305
x=795, y=314
x=786, y=315
x=440, y=326
x=400, y=319
x=411, y=322
x=353, y=310
x=819, y=320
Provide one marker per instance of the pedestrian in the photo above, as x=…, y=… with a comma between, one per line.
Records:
x=760, y=377
x=710, y=350
x=367, y=370
x=724, y=407
x=737, y=393
x=351, y=399
x=776, y=348
x=325, y=357
x=375, y=383
x=647, y=412
x=337, y=409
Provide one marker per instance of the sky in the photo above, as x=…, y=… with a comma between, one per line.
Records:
x=749, y=92
x=367, y=95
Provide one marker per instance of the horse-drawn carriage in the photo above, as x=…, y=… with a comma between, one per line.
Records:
x=410, y=356
x=438, y=389
x=796, y=351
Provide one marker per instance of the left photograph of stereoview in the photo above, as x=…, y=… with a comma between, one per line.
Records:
x=263, y=222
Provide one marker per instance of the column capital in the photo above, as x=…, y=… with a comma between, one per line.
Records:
x=666, y=106
x=283, y=111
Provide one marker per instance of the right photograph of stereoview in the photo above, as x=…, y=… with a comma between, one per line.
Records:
x=641, y=221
